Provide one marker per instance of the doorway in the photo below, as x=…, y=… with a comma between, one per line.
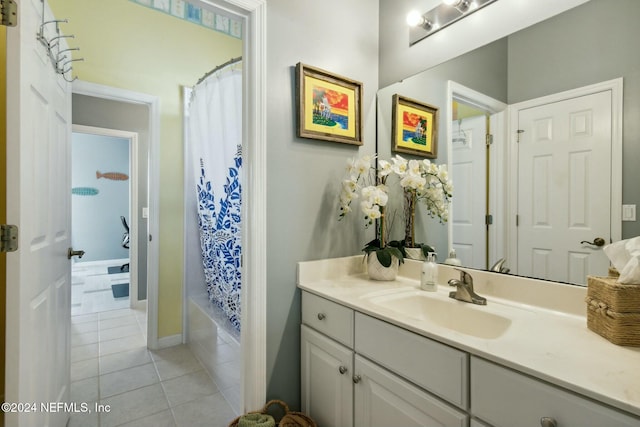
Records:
x=254, y=304
x=476, y=127
x=104, y=225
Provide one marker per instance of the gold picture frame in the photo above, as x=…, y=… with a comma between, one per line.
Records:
x=329, y=106
x=414, y=127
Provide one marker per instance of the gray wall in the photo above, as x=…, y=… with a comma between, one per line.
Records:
x=91, y=111
x=304, y=175
x=594, y=42
x=398, y=60
x=96, y=226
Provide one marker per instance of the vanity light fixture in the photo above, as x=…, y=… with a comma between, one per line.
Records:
x=441, y=16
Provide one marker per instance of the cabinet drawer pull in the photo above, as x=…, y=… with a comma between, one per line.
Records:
x=342, y=369
x=548, y=422
x=356, y=379
x=321, y=316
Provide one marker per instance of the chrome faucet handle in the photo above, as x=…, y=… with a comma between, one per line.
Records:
x=465, y=277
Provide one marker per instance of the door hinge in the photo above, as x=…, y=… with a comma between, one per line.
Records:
x=489, y=139
x=9, y=13
x=517, y=220
x=488, y=219
x=519, y=131
x=8, y=238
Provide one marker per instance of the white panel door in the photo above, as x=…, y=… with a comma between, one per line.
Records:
x=38, y=202
x=469, y=176
x=327, y=390
x=564, y=181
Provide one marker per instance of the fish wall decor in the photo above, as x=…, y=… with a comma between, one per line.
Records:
x=114, y=176
x=84, y=191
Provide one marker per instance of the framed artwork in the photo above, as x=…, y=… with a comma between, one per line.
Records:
x=329, y=106
x=414, y=127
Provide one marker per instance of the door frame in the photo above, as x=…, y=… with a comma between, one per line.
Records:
x=96, y=90
x=254, y=236
x=254, y=239
x=616, y=88
x=134, y=207
x=497, y=233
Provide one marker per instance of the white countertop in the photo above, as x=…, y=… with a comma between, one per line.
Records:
x=548, y=337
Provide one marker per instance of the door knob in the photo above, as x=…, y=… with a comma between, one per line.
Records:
x=72, y=253
x=598, y=241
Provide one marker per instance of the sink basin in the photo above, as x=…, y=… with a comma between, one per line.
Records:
x=451, y=314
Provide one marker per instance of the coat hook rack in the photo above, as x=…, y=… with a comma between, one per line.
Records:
x=61, y=57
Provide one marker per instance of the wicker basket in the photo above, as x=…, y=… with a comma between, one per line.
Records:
x=614, y=310
x=288, y=419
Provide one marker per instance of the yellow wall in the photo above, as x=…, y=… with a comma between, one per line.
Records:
x=3, y=201
x=136, y=48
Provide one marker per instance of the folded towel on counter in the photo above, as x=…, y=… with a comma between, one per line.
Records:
x=625, y=257
x=256, y=420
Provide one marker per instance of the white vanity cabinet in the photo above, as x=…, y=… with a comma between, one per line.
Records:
x=383, y=399
x=327, y=385
x=360, y=371
x=342, y=388
x=505, y=398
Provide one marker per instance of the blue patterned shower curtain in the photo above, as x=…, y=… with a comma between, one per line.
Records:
x=215, y=140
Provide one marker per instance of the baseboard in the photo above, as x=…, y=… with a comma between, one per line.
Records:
x=100, y=263
x=170, y=341
x=139, y=304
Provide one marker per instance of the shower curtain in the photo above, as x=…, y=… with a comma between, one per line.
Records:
x=215, y=140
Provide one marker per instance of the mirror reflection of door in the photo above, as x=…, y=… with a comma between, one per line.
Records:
x=477, y=158
x=564, y=179
x=469, y=175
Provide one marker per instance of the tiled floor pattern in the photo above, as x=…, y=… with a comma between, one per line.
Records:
x=111, y=365
x=91, y=287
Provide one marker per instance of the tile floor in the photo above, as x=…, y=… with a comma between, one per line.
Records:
x=110, y=365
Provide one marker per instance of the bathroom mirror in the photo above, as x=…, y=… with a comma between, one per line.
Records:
x=583, y=46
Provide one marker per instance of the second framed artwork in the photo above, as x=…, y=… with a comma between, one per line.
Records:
x=414, y=127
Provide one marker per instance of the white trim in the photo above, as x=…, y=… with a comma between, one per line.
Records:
x=153, y=227
x=254, y=238
x=616, y=88
x=169, y=341
x=186, y=95
x=134, y=209
x=493, y=106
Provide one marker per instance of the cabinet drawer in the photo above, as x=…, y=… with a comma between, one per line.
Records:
x=505, y=398
x=333, y=320
x=435, y=367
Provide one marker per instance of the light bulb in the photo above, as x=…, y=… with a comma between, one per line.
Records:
x=414, y=18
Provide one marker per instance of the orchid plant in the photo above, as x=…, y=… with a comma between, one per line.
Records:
x=421, y=181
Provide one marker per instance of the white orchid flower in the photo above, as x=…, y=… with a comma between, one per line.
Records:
x=399, y=165
x=385, y=168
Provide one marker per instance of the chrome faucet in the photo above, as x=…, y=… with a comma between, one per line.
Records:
x=464, y=291
x=499, y=267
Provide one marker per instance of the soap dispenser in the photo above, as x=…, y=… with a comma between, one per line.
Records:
x=452, y=260
x=429, y=278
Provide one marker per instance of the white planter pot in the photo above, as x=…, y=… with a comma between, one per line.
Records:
x=415, y=253
x=377, y=271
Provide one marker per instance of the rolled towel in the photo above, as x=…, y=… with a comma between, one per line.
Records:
x=256, y=420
